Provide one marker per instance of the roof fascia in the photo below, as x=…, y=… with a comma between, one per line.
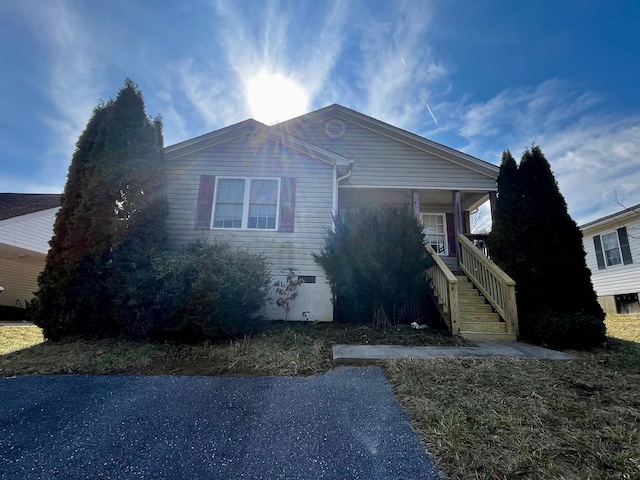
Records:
x=613, y=218
x=209, y=139
x=245, y=128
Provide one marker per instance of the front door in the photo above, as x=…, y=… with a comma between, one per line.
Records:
x=435, y=231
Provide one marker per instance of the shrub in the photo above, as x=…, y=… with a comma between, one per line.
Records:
x=571, y=330
x=375, y=262
x=204, y=291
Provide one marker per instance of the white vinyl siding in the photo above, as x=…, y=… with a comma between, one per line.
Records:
x=615, y=279
x=31, y=232
x=250, y=156
x=384, y=162
x=19, y=277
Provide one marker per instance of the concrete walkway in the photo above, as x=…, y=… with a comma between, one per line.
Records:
x=351, y=353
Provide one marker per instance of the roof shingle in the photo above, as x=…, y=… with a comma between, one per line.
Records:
x=16, y=204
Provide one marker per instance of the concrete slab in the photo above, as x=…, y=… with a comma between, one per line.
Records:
x=15, y=323
x=350, y=353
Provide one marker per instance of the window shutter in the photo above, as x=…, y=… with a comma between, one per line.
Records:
x=624, y=245
x=287, y=204
x=205, y=202
x=599, y=257
x=451, y=235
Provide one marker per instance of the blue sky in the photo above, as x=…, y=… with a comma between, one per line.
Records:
x=494, y=74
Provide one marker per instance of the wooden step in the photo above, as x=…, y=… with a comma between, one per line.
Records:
x=471, y=300
x=479, y=317
x=468, y=292
x=488, y=336
x=470, y=326
x=475, y=308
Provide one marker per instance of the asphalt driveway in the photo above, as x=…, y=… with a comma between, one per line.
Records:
x=344, y=424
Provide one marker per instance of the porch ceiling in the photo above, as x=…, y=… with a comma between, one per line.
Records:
x=431, y=199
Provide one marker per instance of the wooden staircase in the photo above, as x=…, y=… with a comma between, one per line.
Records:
x=478, y=321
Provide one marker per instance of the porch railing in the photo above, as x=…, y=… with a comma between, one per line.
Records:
x=480, y=240
x=445, y=290
x=497, y=287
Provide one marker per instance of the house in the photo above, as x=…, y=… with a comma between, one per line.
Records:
x=612, y=245
x=275, y=189
x=26, y=226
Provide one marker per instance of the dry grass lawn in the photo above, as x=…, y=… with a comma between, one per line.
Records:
x=534, y=419
x=293, y=349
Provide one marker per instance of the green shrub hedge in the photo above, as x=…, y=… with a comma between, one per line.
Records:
x=375, y=262
x=204, y=291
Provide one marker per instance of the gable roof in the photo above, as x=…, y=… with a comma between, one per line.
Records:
x=338, y=111
x=617, y=216
x=247, y=127
x=17, y=204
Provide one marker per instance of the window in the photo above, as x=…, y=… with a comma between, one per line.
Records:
x=246, y=203
x=435, y=232
x=611, y=249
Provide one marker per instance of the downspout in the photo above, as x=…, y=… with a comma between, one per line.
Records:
x=336, y=181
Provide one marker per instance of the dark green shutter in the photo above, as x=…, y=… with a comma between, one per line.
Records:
x=624, y=245
x=597, y=243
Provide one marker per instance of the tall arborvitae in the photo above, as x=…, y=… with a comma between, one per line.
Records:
x=557, y=252
x=504, y=237
x=113, y=210
x=54, y=307
x=556, y=301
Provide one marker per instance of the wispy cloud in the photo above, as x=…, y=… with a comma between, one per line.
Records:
x=73, y=85
x=531, y=109
x=247, y=43
x=399, y=69
x=594, y=155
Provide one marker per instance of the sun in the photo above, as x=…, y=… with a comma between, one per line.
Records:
x=274, y=98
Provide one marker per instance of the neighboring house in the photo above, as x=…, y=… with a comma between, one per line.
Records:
x=612, y=244
x=275, y=189
x=26, y=226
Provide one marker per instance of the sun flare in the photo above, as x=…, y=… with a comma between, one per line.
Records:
x=274, y=98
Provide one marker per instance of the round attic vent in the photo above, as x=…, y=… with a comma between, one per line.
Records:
x=334, y=128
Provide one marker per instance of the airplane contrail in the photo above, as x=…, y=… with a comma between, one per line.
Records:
x=432, y=115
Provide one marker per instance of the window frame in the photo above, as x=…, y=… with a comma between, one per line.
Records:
x=604, y=251
x=245, y=202
x=444, y=233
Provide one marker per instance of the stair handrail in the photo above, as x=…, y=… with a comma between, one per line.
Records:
x=445, y=286
x=497, y=287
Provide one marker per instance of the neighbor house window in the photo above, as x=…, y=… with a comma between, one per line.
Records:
x=435, y=232
x=246, y=203
x=611, y=249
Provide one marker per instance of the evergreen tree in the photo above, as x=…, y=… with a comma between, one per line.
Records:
x=504, y=236
x=111, y=217
x=546, y=258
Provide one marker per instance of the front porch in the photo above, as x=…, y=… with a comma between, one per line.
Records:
x=473, y=296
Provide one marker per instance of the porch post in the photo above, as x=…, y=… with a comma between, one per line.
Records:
x=457, y=221
x=492, y=203
x=416, y=204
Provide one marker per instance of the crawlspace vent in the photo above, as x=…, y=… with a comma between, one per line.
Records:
x=334, y=128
